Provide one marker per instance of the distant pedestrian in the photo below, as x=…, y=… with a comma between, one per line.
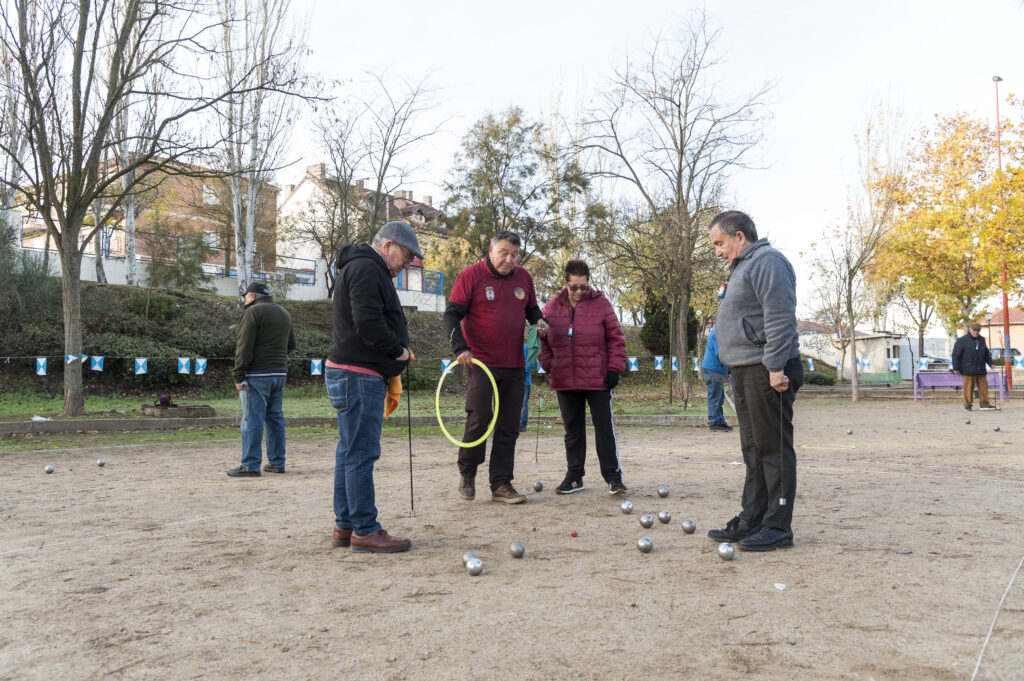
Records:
x=715, y=374
x=971, y=360
x=265, y=337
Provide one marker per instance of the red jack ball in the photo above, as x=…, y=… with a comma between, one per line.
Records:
x=574, y=533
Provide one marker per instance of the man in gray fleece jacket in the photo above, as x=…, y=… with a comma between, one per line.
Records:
x=758, y=341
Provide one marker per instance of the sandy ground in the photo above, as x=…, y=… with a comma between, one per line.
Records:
x=159, y=566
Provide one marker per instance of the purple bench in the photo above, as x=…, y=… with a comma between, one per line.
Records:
x=947, y=379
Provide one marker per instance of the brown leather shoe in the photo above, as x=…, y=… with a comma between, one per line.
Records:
x=467, y=488
x=506, y=493
x=379, y=542
x=341, y=537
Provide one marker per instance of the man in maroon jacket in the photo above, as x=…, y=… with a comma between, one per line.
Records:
x=489, y=307
x=583, y=353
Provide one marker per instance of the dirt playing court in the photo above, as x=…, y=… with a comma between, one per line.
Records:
x=158, y=566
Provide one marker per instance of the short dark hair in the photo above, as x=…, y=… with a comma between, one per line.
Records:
x=509, y=236
x=732, y=221
x=576, y=268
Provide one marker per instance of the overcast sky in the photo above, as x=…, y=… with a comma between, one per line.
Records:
x=831, y=62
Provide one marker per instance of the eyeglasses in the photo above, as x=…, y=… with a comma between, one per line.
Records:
x=407, y=255
x=581, y=287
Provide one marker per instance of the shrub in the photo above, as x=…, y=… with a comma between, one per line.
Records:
x=818, y=378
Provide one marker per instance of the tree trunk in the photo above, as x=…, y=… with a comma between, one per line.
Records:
x=46, y=254
x=71, y=297
x=681, y=316
x=131, y=273
x=855, y=381
x=101, y=275
x=252, y=192
x=240, y=247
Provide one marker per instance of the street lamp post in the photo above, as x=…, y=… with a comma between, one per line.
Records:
x=1007, y=354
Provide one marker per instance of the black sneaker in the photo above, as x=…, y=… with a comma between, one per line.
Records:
x=967, y=407
x=242, y=472
x=570, y=485
x=767, y=539
x=987, y=407
x=615, y=487
x=721, y=427
x=273, y=469
x=734, y=530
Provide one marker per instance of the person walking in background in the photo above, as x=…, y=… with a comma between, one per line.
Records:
x=714, y=373
x=370, y=346
x=971, y=360
x=524, y=416
x=584, y=352
x=265, y=337
x=490, y=304
x=758, y=341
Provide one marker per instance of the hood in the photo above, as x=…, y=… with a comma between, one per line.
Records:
x=350, y=253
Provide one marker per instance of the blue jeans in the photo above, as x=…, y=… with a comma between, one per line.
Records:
x=716, y=395
x=263, y=402
x=524, y=417
x=359, y=400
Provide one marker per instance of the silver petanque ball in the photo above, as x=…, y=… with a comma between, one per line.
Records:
x=474, y=566
x=726, y=551
x=664, y=516
x=627, y=507
x=644, y=544
x=662, y=490
x=689, y=526
x=48, y=469
x=517, y=550
x=646, y=520
x=967, y=421
x=849, y=431
x=538, y=486
x=468, y=556
x=101, y=463
x=995, y=428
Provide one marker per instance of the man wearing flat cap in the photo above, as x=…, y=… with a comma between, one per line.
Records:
x=265, y=337
x=369, y=350
x=971, y=359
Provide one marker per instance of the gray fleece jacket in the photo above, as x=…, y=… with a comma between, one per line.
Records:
x=756, y=320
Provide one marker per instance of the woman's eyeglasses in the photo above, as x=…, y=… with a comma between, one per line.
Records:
x=581, y=287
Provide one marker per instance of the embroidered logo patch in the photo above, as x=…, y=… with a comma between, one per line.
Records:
x=489, y=292
x=520, y=293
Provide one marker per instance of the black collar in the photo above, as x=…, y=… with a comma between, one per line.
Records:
x=496, y=273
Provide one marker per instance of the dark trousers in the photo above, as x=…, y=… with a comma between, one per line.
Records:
x=573, y=405
x=766, y=422
x=478, y=417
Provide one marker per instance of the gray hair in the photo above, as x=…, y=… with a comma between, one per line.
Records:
x=732, y=221
x=509, y=236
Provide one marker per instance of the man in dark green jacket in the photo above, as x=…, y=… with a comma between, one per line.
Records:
x=265, y=337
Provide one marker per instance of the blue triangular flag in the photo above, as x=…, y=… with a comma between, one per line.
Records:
x=894, y=364
x=695, y=367
x=1018, y=362
x=922, y=364
x=40, y=366
x=141, y=365
x=444, y=364
x=659, y=363
x=200, y=365
x=675, y=363
x=68, y=359
x=866, y=365
x=97, y=364
x=810, y=364
x=540, y=369
x=839, y=365
x=316, y=367
x=633, y=364
x=184, y=365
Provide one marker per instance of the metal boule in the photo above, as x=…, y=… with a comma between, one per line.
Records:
x=664, y=515
x=627, y=507
x=726, y=551
x=101, y=463
x=538, y=486
x=849, y=431
x=646, y=520
x=995, y=428
x=474, y=566
x=468, y=556
x=48, y=469
x=662, y=490
x=517, y=550
x=644, y=544
x=689, y=526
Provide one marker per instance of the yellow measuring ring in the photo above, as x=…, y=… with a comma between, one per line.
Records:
x=437, y=406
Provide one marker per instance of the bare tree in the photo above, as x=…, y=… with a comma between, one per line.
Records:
x=12, y=111
x=261, y=48
x=846, y=258
x=663, y=132
x=73, y=85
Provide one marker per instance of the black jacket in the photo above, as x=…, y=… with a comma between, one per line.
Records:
x=265, y=337
x=970, y=355
x=369, y=326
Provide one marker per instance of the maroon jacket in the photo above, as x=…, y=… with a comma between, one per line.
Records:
x=596, y=346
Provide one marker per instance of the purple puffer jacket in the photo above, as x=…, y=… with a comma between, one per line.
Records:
x=596, y=345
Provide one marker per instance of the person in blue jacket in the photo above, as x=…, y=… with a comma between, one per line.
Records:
x=714, y=373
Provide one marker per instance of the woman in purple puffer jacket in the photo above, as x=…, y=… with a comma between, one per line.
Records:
x=583, y=353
